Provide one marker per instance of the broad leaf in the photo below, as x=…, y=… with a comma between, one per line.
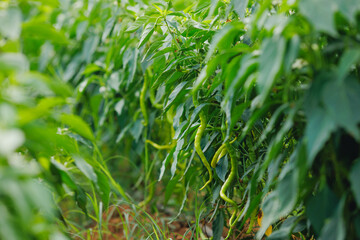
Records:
x=354, y=178
x=335, y=228
x=10, y=20
x=222, y=168
x=44, y=31
x=13, y=62
x=342, y=101
x=85, y=168
x=280, y=202
x=270, y=64
x=240, y=7
x=218, y=226
x=78, y=125
x=320, y=13
x=321, y=207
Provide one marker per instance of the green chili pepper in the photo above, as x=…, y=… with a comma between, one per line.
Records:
x=233, y=221
x=161, y=147
x=218, y=152
x=153, y=100
x=225, y=186
x=231, y=176
x=198, y=149
x=149, y=197
x=143, y=101
x=198, y=136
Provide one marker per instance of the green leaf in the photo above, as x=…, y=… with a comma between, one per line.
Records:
x=163, y=52
x=72, y=67
x=179, y=146
x=335, y=228
x=80, y=29
x=78, y=125
x=92, y=69
x=7, y=229
x=85, y=168
x=180, y=132
x=251, y=205
x=317, y=132
x=277, y=143
x=270, y=64
x=165, y=163
x=271, y=124
x=10, y=26
x=175, y=94
x=57, y=169
x=354, y=178
x=43, y=31
x=108, y=27
x=145, y=36
x=174, y=77
x=133, y=61
x=194, y=29
x=342, y=101
x=319, y=124
x=164, y=76
x=218, y=226
x=103, y=187
x=240, y=7
x=255, y=117
x=47, y=53
x=235, y=78
x=119, y=106
x=151, y=50
x=206, y=72
x=348, y=59
x=123, y=132
x=179, y=14
x=170, y=187
x=137, y=24
x=320, y=13
x=15, y=193
x=281, y=201
x=52, y=3
x=136, y=129
x=158, y=8
x=291, y=53
x=349, y=9
x=81, y=199
x=179, y=113
x=89, y=48
x=10, y=140
x=38, y=195
x=357, y=226
x=224, y=38
x=285, y=229
x=43, y=109
x=321, y=207
x=222, y=167
x=215, y=193
x=13, y=62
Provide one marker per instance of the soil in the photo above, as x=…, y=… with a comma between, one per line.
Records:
x=123, y=222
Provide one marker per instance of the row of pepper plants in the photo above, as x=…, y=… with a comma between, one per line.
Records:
x=235, y=110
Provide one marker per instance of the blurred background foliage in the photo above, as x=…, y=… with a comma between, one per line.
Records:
x=145, y=101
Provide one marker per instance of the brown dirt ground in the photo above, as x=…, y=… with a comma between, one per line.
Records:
x=117, y=216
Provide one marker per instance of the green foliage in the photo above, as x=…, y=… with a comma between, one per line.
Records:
x=146, y=93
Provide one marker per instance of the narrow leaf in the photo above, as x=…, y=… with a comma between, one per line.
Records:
x=145, y=36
